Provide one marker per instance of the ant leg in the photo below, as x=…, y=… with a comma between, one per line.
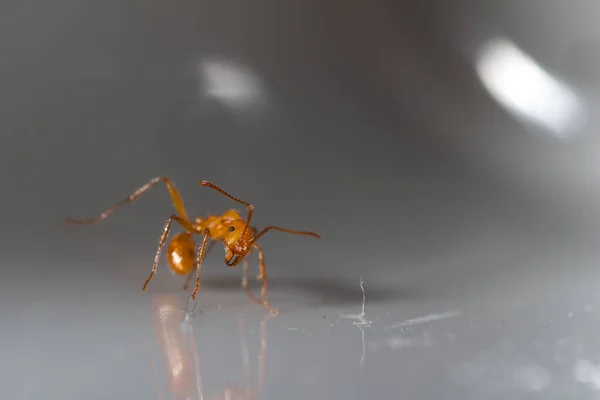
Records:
x=176, y=199
x=263, y=276
x=261, y=259
x=189, y=277
x=185, y=224
x=186, y=285
x=245, y=281
x=199, y=259
x=218, y=189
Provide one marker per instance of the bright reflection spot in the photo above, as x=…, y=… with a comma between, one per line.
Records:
x=587, y=373
x=525, y=89
x=231, y=84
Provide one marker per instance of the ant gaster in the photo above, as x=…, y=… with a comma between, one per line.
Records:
x=238, y=236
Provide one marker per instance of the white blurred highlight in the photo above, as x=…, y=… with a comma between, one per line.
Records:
x=587, y=373
x=525, y=89
x=231, y=84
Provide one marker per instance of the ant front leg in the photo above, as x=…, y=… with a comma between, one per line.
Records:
x=189, y=277
x=163, y=239
x=245, y=280
x=199, y=259
x=262, y=275
x=176, y=199
x=262, y=272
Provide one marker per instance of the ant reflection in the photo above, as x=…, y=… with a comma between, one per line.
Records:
x=182, y=362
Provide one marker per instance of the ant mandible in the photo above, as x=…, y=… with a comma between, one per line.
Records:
x=238, y=236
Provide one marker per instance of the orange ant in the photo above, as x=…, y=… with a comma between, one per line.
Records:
x=238, y=236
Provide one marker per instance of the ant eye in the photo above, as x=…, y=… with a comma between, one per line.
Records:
x=231, y=228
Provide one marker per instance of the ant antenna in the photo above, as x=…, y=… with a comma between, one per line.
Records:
x=250, y=208
x=218, y=189
x=276, y=228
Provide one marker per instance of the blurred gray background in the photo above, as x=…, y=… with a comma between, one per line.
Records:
x=446, y=152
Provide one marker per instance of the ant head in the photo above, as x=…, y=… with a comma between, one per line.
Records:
x=237, y=242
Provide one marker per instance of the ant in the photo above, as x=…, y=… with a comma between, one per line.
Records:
x=238, y=236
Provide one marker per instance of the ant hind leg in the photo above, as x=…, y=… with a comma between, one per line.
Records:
x=176, y=199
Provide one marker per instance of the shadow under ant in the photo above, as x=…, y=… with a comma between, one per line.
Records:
x=325, y=291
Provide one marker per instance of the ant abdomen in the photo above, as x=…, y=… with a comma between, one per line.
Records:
x=181, y=253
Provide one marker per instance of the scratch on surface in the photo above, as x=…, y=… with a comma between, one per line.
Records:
x=396, y=343
x=426, y=318
x=360, y=321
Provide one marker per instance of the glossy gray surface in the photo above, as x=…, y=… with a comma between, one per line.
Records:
x=447, y=154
